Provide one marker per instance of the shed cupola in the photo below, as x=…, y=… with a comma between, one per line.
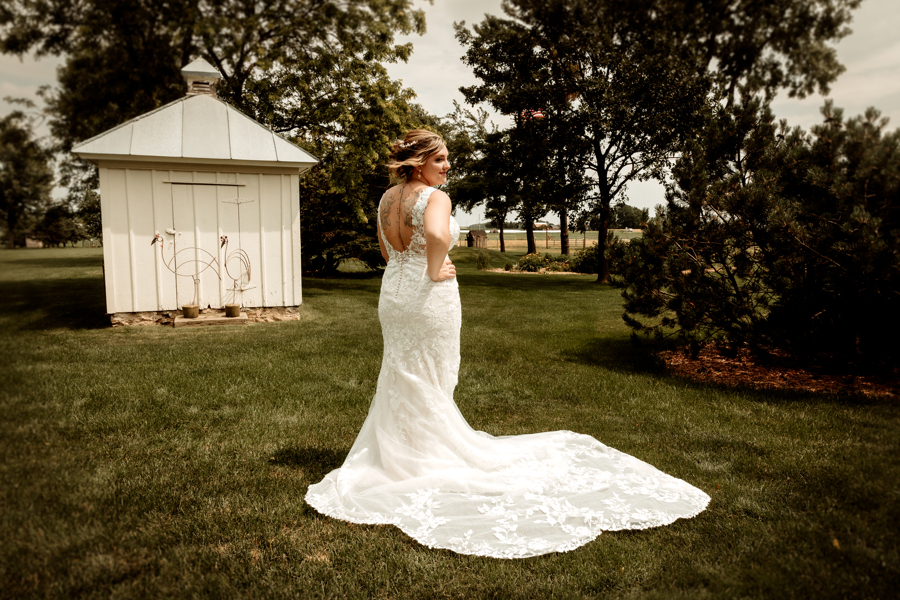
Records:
x=201, y=78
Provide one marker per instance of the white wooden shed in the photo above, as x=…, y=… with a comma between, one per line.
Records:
x=177, y=182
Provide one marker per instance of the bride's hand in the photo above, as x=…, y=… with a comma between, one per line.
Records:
x=448, y=271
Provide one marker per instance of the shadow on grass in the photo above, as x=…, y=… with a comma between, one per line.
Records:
x=57, y=262
x=315, y=463
x=618, y=353
x=625, y=355
x=41, y=304
x=843, y=397
x=530, y=283
x=313, y=287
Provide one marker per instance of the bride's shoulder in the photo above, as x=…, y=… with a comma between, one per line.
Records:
x=437, y=195
x=393, y=190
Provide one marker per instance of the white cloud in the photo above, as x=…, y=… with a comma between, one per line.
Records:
x=436, y=70
x=21, y=78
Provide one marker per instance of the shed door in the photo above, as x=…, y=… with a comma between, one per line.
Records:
x=203, y=214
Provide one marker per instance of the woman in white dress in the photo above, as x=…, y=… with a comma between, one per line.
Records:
x=418, y=465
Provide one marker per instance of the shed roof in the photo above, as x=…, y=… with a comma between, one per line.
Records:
x=195, y=129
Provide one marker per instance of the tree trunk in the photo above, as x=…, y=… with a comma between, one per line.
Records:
x=605, y=199
x=603, y=275
x=502, y=242
x=529, y=235
x=564, y=231
x=11, y=239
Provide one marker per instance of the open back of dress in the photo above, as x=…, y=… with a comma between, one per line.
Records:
x=395, y=215
x=418, y=464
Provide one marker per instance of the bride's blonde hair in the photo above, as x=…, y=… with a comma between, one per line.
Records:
x=412, y=152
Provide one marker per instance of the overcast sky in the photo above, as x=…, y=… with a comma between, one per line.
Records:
x=871, y=54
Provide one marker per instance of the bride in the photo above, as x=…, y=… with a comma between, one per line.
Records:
x=418, y=465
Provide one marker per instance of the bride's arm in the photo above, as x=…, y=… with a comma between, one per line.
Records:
x=384, y=252
x=437, y=236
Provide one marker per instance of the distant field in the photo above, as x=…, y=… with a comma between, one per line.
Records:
x=548, y=240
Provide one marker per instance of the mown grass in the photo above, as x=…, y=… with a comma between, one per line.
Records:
x=151, y=462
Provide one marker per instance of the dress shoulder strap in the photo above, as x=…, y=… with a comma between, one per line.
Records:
x=418, y=211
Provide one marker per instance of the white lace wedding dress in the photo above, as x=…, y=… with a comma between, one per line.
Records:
x=417, y=463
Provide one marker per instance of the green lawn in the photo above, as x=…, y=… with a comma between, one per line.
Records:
x=151, y=462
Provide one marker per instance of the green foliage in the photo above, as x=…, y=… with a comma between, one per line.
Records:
x=58, y=226
x=333, y=229
x=535, y=263
x=482, y=261
x=624, y=216
x=587, y=260
x=311, y=71
x=530, y=263
x=498, y=169
x=640, y=72
x=26, y=176
x=635, y=100
x=777, y=238
x=558, y=266
x=508, y=266
x=90, y=217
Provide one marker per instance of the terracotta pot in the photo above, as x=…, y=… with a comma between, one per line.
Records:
x=190, y=311
x=232, y=310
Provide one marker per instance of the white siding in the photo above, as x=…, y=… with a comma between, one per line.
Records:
x=139, y=190
x=295, y=239
x=250, y=238
x=107, y=227
x=185, y=253
x=163, y=219
x=139, y=203
x=287, y=285
x=116, y=247
x=206, y=234
x=230, y=225
x=270, y=235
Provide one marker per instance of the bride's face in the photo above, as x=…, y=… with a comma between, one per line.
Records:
x=434, y=171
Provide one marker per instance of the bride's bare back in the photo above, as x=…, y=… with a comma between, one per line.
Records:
x=395, y=215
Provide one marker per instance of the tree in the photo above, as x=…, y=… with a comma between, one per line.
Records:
x=26, y=177
x=631, y=78
x=624, y=215
x=59, y=226
x=777, y=238
x=763, y=46
x=89, y=216
x=309, y=69
x=601, y=83
x=486, y=168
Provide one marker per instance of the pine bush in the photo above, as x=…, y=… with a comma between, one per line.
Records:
x=778, y=238
x=482, y=261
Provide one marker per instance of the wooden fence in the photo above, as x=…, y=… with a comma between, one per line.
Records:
x=547, y=240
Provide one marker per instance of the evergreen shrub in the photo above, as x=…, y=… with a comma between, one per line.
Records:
x=482, y=261
x=778, y=238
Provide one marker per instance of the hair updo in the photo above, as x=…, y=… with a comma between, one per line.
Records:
x=411, y=152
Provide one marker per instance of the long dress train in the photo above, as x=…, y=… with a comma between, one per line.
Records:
x=417, y=463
